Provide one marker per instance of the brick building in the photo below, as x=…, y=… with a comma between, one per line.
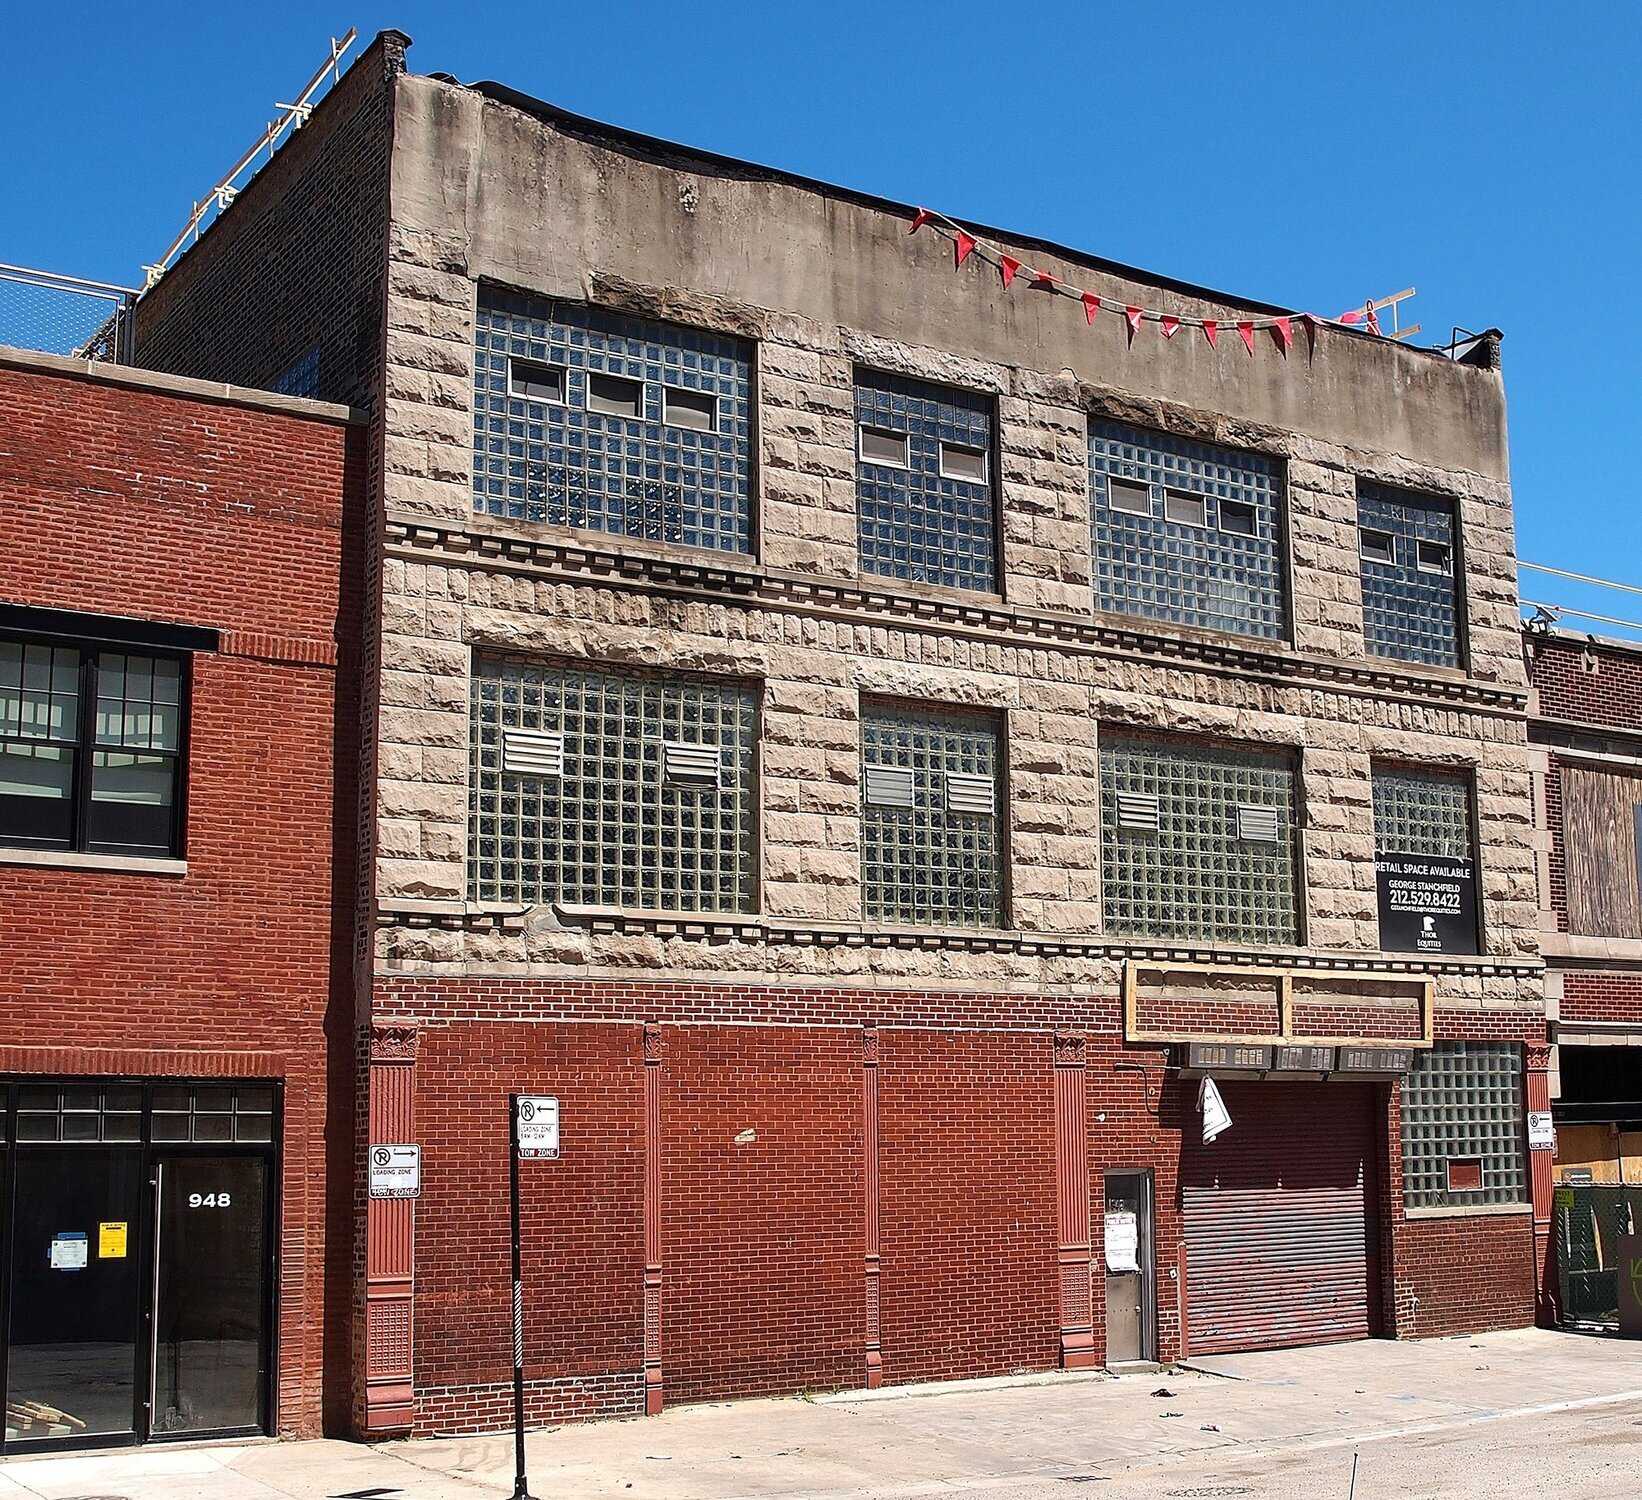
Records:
x=869, y=744
x=1585, y=734
x=176, y=1052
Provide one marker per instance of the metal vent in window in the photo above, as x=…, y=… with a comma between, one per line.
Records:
x=1137, y=812
x=690, y=765
x=969, y=793
x=1257, y=825
x=889, y=786
x=533, y=752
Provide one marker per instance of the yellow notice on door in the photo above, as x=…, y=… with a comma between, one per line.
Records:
x=111, y=1241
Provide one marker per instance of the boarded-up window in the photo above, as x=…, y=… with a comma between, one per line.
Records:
x=1602, y=826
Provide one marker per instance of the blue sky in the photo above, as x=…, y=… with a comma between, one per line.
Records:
x=1304, y=153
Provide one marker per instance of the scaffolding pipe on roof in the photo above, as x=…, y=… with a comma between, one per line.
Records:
x=292, y=116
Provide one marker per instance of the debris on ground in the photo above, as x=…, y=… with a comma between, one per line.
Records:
x=1163, y=1390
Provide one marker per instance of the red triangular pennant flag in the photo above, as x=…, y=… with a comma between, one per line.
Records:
x=1170, y=326
x=1009, y=266
x=1133, y=315
x=1042, y=281
x=1245, y=331
x=962, y=245
x=919, y=219
x=1210, y=329
x=1309, y=323
x=1091, y=305
x=1282, y=333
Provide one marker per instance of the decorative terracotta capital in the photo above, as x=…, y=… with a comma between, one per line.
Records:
x=393, y=1042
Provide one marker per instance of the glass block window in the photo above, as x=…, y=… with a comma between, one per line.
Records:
x=1421, y=812
x=930, y=837
x=924, y=496
x=1408, y=553
x=596, y=788
x=104, y=780
x=1184, y=532
x=1462, y=1110
x=1197, y=841
x=595, y=420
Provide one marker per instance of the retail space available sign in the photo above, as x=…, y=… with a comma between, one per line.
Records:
x=536, y=1120
x=1428, y=903
x=396, y=1171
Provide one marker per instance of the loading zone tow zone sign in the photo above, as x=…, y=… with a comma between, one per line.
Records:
x=536, y=1121
x=396, y=1171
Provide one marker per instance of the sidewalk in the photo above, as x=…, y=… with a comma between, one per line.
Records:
x=911, y=1441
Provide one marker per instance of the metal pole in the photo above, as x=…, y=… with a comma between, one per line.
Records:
x=521, y=1488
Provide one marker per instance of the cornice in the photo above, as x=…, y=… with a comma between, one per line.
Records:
x=701, y=577
x=782, y=932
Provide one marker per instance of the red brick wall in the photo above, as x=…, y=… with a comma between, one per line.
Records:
x=762, y=1241
x=1137, y=1109
x=1461, y=1273
x=762, y=1276
x=1601, y=997
x=967, y=1204
x=1589, y=683
x=129, y=502
x=297, y=264
x=582, y=1217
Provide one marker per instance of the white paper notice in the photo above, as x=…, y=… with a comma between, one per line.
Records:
x=1122, y=1242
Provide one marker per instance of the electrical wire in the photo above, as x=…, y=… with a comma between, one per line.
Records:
x=1607, y=583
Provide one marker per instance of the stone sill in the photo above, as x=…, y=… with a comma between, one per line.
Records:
x=466, y=916
x=577, y=554
x=1471, y=1211
x=111, y=864
x=1573, y=945
x=753, y=927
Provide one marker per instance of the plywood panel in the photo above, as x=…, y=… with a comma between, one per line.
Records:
x=1600, y=841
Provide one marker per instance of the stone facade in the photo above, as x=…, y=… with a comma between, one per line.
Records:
x=815, y=635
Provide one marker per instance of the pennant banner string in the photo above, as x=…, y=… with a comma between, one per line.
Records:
x=965, y=244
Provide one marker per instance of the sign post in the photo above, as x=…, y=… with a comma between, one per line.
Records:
x=521, y=1486
x=533, y=1134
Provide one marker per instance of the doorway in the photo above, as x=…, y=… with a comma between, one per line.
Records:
x=137, y=1261
x=1131, y=1300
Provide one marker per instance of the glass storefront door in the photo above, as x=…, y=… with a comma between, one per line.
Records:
x=136, y=1260
x=210, y=1294
x=76, y=1294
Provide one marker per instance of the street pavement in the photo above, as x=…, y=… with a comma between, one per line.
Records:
x=1519, y=1414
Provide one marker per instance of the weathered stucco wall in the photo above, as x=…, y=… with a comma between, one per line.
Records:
x=483, y=191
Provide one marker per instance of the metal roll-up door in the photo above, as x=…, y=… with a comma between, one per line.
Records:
x=1279, y=1219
